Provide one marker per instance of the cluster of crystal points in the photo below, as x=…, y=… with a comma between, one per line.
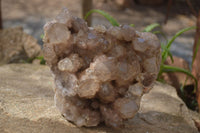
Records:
x=100, y=74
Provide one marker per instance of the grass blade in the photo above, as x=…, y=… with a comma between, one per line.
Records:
x=171, y=57
x=41, y=58
x=132, y=25
x=167, y=68
x=150, y=27
x=196, y=50
x=169, y=53
x=42, y=36
x=178, y=34
x=163, y=46
x=106, y=15
x=165, y=52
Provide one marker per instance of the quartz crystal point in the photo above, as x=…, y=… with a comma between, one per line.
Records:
x=100, y=74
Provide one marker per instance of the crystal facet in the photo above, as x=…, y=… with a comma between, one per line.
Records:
x=100, y=74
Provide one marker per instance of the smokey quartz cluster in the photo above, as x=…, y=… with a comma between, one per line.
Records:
x=100, y=73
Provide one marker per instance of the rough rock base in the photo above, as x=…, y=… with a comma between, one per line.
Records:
x=29, y=107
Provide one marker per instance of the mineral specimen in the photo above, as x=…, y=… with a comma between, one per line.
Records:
x=100, y=74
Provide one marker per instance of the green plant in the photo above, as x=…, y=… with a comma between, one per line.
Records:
x=106, y=15
x=30, y=60
x=42, y=61
x=166, y=53
x=196, y=50
x=150, y=27
x=187, y=96
x=42, y=36
x=112, y=21
x=193, y=58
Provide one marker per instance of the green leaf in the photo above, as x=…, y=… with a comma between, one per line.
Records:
x=196, y=50
x=169, y=53
x=178, y=34
x=41, y=58
x=150, y=27
x=171, y=57
x=166, y=51
x=163, y=46
x=42, y=36
x=157, y=32
x=106, y=15
x=132, y=25
x=167, y=68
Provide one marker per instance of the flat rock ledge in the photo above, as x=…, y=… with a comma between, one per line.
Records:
x=27, y=106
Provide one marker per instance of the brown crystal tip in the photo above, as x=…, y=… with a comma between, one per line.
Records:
x=100, y=74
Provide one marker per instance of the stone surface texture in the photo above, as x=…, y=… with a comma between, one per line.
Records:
x=16, y=46
x=100, y=74
x=27, y=106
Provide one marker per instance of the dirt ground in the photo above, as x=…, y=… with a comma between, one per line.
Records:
x=33, y=14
